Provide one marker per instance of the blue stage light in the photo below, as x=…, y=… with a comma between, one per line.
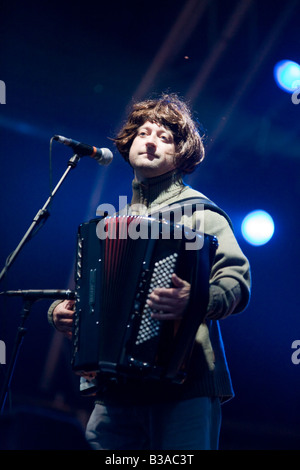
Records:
x=258, y=227
x=287, y=75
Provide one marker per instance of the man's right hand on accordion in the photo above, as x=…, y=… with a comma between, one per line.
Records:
x=63, y=317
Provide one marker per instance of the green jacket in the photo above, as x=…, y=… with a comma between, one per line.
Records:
x=229, y=293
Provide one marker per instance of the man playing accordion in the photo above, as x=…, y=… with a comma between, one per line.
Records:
x=161, y=142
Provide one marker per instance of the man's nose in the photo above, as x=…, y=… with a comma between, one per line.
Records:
x=151, y=141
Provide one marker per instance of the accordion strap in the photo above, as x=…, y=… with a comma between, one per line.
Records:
x=194, y=202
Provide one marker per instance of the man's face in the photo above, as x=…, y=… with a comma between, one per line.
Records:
x=152, y=151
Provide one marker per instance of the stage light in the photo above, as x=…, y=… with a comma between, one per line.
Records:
x=258, y=227
x=287, y=75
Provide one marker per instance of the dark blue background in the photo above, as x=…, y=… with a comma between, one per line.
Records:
x=73, y=68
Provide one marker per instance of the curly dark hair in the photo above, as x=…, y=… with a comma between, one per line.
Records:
x=172, y=113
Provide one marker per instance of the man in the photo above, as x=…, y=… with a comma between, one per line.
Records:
x=161, y=142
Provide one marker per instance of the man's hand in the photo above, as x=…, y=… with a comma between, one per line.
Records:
x=63, y=317
x=170, y=301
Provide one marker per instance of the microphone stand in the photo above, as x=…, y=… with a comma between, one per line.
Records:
x=29, y=297
x=41, y=215
x=28, y=300
x=21, y=331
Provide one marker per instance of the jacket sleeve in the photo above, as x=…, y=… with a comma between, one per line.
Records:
x=230, y=280
x=51, y=310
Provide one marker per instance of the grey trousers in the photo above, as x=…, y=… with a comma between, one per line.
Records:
x=185, y=425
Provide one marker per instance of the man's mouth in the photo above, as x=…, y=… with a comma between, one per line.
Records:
x=150, y=154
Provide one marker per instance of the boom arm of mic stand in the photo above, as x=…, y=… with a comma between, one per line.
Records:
x=41, y=214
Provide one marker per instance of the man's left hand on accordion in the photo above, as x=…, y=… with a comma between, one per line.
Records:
x=170, y=302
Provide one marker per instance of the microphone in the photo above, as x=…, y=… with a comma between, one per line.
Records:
x=102, y=156
x=42, y=294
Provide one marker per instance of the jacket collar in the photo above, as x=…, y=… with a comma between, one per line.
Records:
x=157, y=190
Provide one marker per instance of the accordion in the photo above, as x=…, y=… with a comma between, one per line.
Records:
x=120, y=260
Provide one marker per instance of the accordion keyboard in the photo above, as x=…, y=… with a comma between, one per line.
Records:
x=161, y=277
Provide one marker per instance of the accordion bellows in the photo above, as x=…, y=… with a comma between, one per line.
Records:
x=120, y=260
